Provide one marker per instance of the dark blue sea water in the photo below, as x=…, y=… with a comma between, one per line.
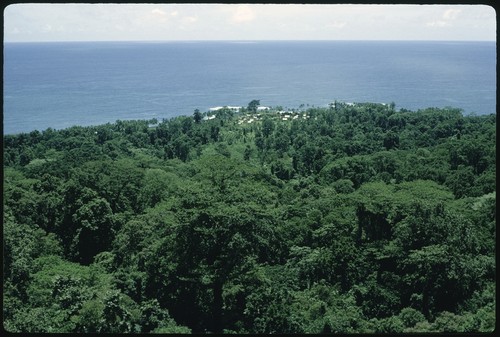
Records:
x=58, y=85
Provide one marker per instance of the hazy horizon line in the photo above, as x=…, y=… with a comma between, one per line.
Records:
x=247, y=41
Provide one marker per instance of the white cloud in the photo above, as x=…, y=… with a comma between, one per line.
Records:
x=243, y=14
x=189, y=19
x=158, y=15
x=158, y=12
x=451, y=14
x=447, y=19
x=187, y=23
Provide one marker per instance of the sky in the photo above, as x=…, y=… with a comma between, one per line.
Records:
x=171, y=22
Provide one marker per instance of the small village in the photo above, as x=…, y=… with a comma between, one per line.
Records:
x=261, y=111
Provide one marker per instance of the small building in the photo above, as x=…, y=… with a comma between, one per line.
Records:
x=206, y=118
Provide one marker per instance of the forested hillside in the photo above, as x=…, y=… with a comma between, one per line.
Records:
x=356, y=218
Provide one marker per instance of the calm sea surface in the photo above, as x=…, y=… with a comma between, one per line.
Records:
x=58, y=85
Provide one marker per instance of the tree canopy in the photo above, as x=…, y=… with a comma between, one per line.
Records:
x=355, y=218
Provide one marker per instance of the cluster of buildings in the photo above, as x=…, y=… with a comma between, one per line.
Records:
x=291, y=115
x=248, y=118
x=284, y=115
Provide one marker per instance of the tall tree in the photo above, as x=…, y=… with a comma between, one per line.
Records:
x=197, y=116
x=252, y=106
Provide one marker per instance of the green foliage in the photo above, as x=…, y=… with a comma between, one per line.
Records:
x=252, y=106
x=347, y=219
x=156, y=186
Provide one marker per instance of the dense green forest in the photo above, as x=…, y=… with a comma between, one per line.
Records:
x=353, y=218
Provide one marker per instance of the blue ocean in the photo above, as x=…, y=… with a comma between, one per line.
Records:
x=58, y=85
